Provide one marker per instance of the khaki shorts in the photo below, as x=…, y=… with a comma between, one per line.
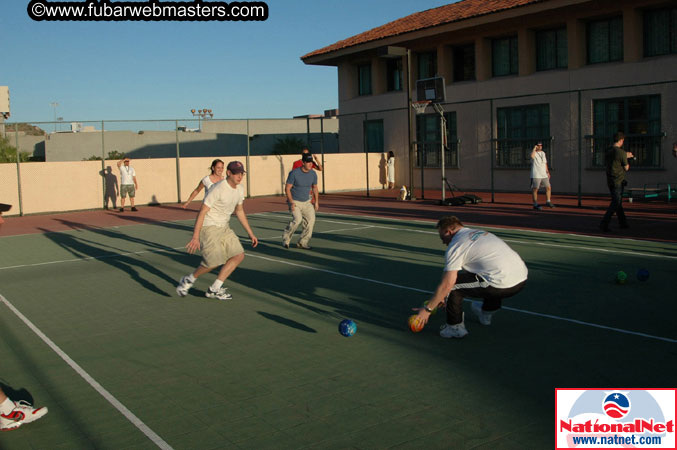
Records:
x=218, y=245
x=127, y=189
x=536, y=183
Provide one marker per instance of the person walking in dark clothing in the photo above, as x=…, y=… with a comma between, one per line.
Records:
x=616, y=166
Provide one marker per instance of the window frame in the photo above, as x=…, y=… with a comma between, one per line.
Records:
x=380, y=144
x=364, y=69
x=609, y=21
x=513, y=149
x=431, y=69
x=394, y=66
x=560, y=61
x=459, y=54
x=513, y=55
x=428, y=147
x=648, y=28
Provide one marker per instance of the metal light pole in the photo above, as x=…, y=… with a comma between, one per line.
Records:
x=54, y=105
x=202, y=114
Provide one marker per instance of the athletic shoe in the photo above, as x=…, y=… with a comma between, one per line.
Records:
x=453, y=331
x=22, y=413
x=134, y=208
x=221, y=294
x=303, y=246
x=285, y=244
x=483, y=316
x=549, y=205
x=184, y=286
x=122, y=210
x=537, y=207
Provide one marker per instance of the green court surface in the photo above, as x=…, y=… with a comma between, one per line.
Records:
x=91, y=326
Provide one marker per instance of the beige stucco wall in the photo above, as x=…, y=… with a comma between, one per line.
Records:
x=78, y=185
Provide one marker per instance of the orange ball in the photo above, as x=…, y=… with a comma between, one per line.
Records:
x=415, y=323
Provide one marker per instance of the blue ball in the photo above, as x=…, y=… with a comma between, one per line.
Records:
x=642, y=274
x=347, y=327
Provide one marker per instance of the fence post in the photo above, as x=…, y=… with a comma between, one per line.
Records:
x=18, y=169
x=366, y=148
x=249, y=175
x=178, y=163
x=322, y=149
x=580, y=151
x=492, y=151
x=103, y=172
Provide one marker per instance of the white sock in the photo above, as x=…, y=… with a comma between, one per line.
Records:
x=191, y=278
x=216, y=285
x=7, y=406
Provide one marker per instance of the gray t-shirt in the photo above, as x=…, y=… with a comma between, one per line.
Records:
x=302, y=182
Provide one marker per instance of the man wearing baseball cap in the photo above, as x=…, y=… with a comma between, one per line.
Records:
x=301, y=185
x=212, y=235
x=128, y=183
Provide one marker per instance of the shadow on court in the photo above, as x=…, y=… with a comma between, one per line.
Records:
x=286, y=322
x=81, y=247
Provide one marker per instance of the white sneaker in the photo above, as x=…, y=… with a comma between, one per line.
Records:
x=22, y=413
x=184, y=286
x=221, y=294
x=453, y=331
x=483, y=316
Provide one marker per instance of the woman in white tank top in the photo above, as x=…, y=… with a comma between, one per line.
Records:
x=208, y=181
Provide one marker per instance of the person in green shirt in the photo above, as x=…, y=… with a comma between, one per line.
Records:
x=616, y=166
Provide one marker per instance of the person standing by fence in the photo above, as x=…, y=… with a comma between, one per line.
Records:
x=540, y=176
x=128, y=183
x=390, y=167
x=616, y=166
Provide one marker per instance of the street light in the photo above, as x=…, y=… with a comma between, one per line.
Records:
x=203, y=114
x=54, y=105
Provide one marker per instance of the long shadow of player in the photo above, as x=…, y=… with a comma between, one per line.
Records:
x=80, y=248
x=287, y=322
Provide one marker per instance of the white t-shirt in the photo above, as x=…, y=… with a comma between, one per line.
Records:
x=484, y=254
x=127, y=174
x=391, y=169
x=539, y=166
x=208, y=183
x=222, y=200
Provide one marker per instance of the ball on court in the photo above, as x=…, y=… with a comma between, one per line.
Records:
x=425, y=303
x=415, y=323
x=347, y=327
x=642, y=274
x=621, y=277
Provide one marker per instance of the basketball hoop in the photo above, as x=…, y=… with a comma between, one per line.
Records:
x=420, y=106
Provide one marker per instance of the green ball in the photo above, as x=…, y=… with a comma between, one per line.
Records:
x=621, y=277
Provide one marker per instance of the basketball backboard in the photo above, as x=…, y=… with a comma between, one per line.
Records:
x=432, y=89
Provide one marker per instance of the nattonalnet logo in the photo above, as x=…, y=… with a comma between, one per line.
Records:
x=615, y=418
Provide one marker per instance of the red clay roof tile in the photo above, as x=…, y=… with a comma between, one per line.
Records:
x=454, y=12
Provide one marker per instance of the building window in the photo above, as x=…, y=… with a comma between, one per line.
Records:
x=551, y=49
x=373, y=136
x=364, y=79
x=605, y=40
x=427, y=65
x=504, y=59
x=464, y=62
x=429, y=141
x=660, y=32
x=394, y=74
x=639, y=118
x=519, y=129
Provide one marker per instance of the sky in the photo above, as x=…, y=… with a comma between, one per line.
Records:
x=161, y=70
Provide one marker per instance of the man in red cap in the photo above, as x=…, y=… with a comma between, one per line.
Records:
x=212, y=235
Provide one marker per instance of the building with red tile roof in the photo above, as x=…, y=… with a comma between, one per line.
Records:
x=569, y=73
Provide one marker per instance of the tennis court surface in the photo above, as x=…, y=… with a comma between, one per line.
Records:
x=91, y=326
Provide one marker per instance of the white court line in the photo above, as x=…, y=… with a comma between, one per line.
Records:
x=543, y=244
x=406, y=287
x=549, y=316
x=150, y=434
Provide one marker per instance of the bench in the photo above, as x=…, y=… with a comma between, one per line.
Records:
x=669, y=190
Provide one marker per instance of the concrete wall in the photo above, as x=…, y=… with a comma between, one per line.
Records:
x=35, y=145
x=216, y=138
x=77, y=185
